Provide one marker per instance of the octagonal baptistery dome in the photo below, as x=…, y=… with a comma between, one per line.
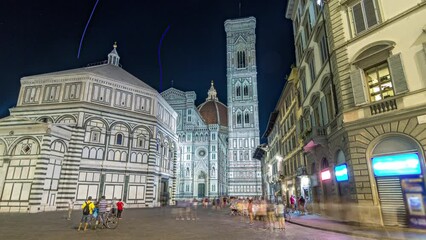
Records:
x=213, y=111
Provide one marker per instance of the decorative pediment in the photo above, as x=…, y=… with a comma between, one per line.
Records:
x=173, y=94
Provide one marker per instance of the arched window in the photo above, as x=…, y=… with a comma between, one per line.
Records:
x=246, y=118
x=119, y=139
x=238, y=118
x=245, y=90
x=238, y=91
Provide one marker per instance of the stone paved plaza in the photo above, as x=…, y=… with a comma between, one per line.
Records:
x=153, y=224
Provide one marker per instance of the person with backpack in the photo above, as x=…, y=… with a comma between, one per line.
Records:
x=88, y=207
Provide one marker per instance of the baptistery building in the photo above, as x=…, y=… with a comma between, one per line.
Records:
x=83, y=132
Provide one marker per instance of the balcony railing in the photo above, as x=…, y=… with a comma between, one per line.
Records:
x=317, y=134
x=383, y=106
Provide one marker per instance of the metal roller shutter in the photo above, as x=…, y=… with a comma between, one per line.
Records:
x=392, y=201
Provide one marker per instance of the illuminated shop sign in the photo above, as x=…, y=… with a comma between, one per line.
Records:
x=341, y=172
x=325, y=175
x=397, y=164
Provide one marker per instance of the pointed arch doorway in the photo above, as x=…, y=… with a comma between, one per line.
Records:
x=201, y=184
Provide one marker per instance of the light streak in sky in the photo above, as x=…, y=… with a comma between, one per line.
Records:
x=159, y=57
x=85, y=28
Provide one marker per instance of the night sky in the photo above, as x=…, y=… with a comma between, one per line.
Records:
x=44, y=36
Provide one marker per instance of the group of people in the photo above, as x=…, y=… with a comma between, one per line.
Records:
x=300, y=206
x=96, y=211
x=186, y=209
x=271, y=214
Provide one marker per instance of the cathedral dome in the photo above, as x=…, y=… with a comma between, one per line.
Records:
x=213, y=111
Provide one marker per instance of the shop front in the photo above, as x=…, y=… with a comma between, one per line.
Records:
x=398, y=168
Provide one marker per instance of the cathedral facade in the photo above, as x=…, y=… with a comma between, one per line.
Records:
x=93, y=131
x=201, y=167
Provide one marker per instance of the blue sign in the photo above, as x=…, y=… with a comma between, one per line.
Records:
x=341, y=172
x=396, y=165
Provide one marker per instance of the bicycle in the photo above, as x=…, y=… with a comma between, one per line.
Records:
x=109, y=220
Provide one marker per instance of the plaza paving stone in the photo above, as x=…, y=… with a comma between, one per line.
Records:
x=157, y=223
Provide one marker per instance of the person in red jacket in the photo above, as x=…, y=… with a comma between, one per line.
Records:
x=120, y=206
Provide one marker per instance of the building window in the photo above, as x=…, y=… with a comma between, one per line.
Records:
x=238, y=91
x=246, y=90
x=364, y=15
x=246, y=118
x=119, y=139
x=379, y=82
x=323, y=48
x=239, y=118
x=241, y=58
x=311, y=63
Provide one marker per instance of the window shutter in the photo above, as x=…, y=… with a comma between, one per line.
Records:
x=358, y=86
x=358, y=18
x=370, y=13
x=397, y=74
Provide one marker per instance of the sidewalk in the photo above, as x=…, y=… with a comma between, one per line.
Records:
x=326, y=224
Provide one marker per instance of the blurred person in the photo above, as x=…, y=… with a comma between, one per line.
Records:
x=114, y=206
x=250, y=211
x=218, y=203
x=261, y=212
x=70, y=208
x=88, y=206
x=279, y=210
x=188, y=209
x=301, y=204
x=292, y=202
x=194, y=209
x=270, y=209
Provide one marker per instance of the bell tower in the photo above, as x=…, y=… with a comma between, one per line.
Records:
x=244, y=172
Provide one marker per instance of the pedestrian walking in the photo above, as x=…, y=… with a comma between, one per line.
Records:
x=194, y=209
x=280, y=215
x=250, y=210
x=88, y=208
x=70, y=208
x=301, y=203
x=292, y=202
x=120, y=208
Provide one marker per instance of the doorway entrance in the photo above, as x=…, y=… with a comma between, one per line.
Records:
x=201, y=190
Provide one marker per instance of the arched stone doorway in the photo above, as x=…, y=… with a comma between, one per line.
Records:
x=392, y=161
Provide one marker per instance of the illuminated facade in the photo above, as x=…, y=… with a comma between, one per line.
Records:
x=83, y=132
x=244, y=172
x=201, y=160
x=377, y=60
